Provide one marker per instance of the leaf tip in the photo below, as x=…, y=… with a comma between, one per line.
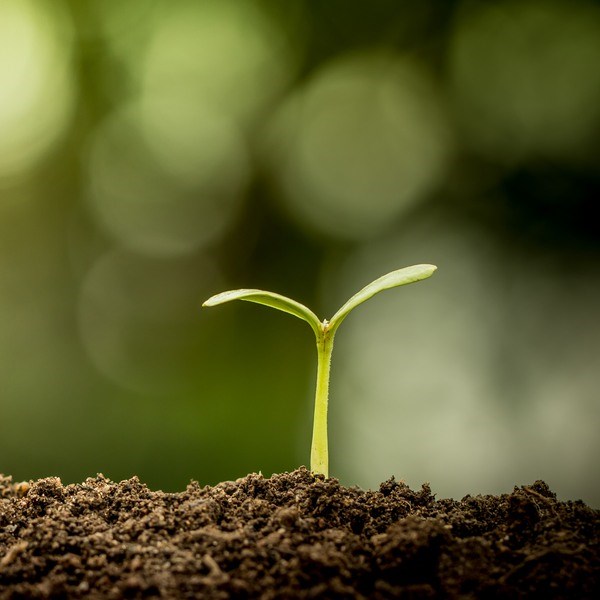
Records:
x=212, y=301
x=426, y=270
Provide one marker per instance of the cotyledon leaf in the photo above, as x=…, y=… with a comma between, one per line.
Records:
x=391, y=280
x=269, y=299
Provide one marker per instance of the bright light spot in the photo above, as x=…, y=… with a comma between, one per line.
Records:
x=163, y=189
x=197, y=146
x=36, y=93
x=135, y=318
x=361, y=145
x=525, y=77
x=483, y=376
x=221, y=53
x=413, y=371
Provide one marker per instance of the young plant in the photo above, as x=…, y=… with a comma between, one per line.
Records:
x=324, y=332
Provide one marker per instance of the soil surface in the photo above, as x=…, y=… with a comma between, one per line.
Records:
x=293, y=535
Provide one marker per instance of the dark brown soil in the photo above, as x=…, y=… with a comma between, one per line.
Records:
x=291, y=536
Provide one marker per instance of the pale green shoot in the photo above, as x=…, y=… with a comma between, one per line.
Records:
x=324, y=333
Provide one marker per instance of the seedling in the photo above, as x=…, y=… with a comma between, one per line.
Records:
x=324, y=332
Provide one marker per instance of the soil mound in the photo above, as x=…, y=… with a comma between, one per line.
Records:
x=292, y=535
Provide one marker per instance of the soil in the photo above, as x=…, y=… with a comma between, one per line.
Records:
x=293, y=535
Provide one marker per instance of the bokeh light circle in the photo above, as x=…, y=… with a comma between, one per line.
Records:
x=36, y=87
x=222, y=53
x=161, y=205
x=483, y=375
x=138, y=317
x=364, y=142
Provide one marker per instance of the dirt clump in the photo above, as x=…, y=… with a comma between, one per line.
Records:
x=293, y=535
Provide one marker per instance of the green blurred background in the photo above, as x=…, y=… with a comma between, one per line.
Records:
x=153, y=153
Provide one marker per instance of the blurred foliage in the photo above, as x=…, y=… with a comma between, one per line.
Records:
x=153, y=153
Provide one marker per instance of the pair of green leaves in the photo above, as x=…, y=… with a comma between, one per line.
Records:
x=393, y=279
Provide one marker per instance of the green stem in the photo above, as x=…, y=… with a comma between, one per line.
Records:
x=319, y=454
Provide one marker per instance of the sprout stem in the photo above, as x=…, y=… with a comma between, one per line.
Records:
x=319, y=453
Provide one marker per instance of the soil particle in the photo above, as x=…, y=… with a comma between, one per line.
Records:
x=293, y=535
